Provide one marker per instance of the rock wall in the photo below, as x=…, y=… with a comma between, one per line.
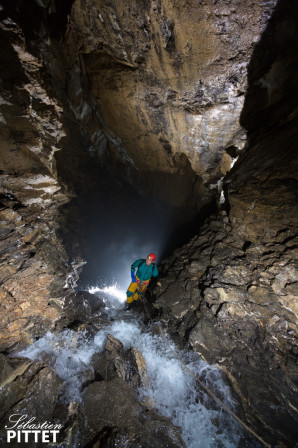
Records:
x=155, y=91
x=231, y=291
x=34, y=268
x=163, y=113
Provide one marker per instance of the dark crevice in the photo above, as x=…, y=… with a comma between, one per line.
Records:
x=219, y=308
x=75, y=324
x=246, y=245
x=105, y=438
x=182, y=235
x=34, y=19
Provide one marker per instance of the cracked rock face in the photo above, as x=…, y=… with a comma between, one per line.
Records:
x=166, y=81
x=156, y=90
x=232, y=290
x=234, y=303
x=33, y=263
x=162, y=112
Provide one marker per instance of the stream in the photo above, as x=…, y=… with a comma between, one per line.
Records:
x=171, y=390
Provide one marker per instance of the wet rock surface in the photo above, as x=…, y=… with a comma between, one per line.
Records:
x=110, y=411
x=113, y=414
x=168, y=105
x=29, y=390
x=114, y=362
x=111, y=408
x=83, y=309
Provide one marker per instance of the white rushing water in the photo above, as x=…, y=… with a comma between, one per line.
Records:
x=172, y=390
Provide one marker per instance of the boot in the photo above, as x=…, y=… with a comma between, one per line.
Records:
x=129, y=306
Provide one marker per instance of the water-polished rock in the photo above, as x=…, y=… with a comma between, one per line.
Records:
x=113, y=415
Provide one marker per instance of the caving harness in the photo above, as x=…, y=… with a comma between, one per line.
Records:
x=139, y=290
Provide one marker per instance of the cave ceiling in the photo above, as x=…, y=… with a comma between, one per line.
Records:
x=158, y=87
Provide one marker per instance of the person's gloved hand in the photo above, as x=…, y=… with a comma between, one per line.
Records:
x=133, y=277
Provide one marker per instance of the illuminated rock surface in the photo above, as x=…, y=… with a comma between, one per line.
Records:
x=168, y=95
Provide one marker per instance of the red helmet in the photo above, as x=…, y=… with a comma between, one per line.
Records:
x=152, y=256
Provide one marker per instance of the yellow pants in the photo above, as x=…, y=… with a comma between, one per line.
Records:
x=133, y=291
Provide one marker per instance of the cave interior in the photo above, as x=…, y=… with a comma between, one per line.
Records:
x=166, y=127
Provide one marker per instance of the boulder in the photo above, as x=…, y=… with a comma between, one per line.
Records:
x=113, y=414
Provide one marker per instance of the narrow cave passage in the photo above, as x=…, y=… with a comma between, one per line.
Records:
x=156, y=126
x=114, y=219
x=113, y=224
x=111, y=221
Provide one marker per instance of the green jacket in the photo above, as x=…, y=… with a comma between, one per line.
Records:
x=144, y=272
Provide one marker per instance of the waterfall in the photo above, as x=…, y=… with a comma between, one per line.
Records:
x=171, y=390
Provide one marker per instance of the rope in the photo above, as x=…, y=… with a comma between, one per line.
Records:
x=199, y=381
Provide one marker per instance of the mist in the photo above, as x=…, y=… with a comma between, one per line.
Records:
x=110, y=225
